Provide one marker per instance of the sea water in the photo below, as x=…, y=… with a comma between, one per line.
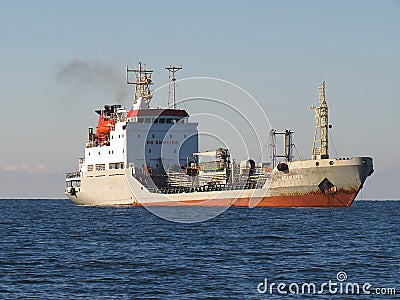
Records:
x=52, y=249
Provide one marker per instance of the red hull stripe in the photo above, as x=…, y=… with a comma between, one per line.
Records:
x=336, y=200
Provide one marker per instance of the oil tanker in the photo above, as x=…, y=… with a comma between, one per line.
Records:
x=149, y=156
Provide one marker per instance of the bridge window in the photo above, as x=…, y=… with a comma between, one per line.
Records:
x=118, y=165
x=100, y=167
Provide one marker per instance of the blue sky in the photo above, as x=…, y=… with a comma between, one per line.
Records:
x=279, y=51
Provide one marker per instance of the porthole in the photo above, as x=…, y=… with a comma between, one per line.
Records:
x=331, y=162
x=317, y=163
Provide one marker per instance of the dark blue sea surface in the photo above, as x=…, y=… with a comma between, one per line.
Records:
x=53, y=249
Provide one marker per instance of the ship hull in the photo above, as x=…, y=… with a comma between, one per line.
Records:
x=342, y=199
x=328, y=183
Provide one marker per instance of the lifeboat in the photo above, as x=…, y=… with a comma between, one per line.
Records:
x=105, y=126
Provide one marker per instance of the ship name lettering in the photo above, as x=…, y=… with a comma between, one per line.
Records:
x=297, y=176
x=171, y=142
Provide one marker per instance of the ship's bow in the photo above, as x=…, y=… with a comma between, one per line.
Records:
x=319, y=183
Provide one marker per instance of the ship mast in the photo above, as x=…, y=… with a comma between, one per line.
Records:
x=142, y=82
x=320, y=145
x=172, y=70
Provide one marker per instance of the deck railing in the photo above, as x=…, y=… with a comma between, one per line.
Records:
x=72, y=175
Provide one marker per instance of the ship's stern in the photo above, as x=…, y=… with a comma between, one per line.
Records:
x=73, y=185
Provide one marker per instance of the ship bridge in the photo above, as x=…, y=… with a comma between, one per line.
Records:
x=158, y=139
x=158, y=115
x=146, y=139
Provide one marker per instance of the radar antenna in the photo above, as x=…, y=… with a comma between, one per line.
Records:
x=172, y=70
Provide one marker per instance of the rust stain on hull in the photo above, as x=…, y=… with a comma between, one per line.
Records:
x=342, y=198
